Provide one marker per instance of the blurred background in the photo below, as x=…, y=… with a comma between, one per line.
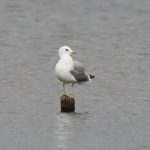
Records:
x=112, y=41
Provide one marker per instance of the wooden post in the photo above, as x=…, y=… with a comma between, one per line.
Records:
x=67, y=103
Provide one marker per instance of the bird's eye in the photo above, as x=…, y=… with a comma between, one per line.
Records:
x=67, y=50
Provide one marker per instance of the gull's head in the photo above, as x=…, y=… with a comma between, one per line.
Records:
x=65, y=50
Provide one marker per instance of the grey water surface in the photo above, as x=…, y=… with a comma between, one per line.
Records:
x=112, y=38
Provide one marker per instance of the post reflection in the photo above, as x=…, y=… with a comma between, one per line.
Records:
x=63, y=132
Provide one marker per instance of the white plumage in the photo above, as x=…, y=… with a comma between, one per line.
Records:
x=69, y=71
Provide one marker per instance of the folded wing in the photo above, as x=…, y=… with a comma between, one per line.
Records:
x=79, y=73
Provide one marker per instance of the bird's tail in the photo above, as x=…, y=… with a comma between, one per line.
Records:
x=91, y=76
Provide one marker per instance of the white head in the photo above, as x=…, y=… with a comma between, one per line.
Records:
x=65, y=50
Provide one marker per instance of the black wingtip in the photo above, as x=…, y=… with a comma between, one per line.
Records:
x=91, y=76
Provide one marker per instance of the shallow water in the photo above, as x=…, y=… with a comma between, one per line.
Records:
x=112, y=39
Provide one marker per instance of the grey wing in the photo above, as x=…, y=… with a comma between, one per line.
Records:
x=79, y=73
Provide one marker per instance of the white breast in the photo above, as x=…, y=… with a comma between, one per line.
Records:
x=62, y=69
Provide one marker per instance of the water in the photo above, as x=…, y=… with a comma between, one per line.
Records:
x=112, y=39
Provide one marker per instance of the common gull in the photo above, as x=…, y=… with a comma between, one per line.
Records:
x=69, y=71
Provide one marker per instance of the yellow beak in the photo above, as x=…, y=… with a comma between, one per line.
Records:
x=73, y=52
